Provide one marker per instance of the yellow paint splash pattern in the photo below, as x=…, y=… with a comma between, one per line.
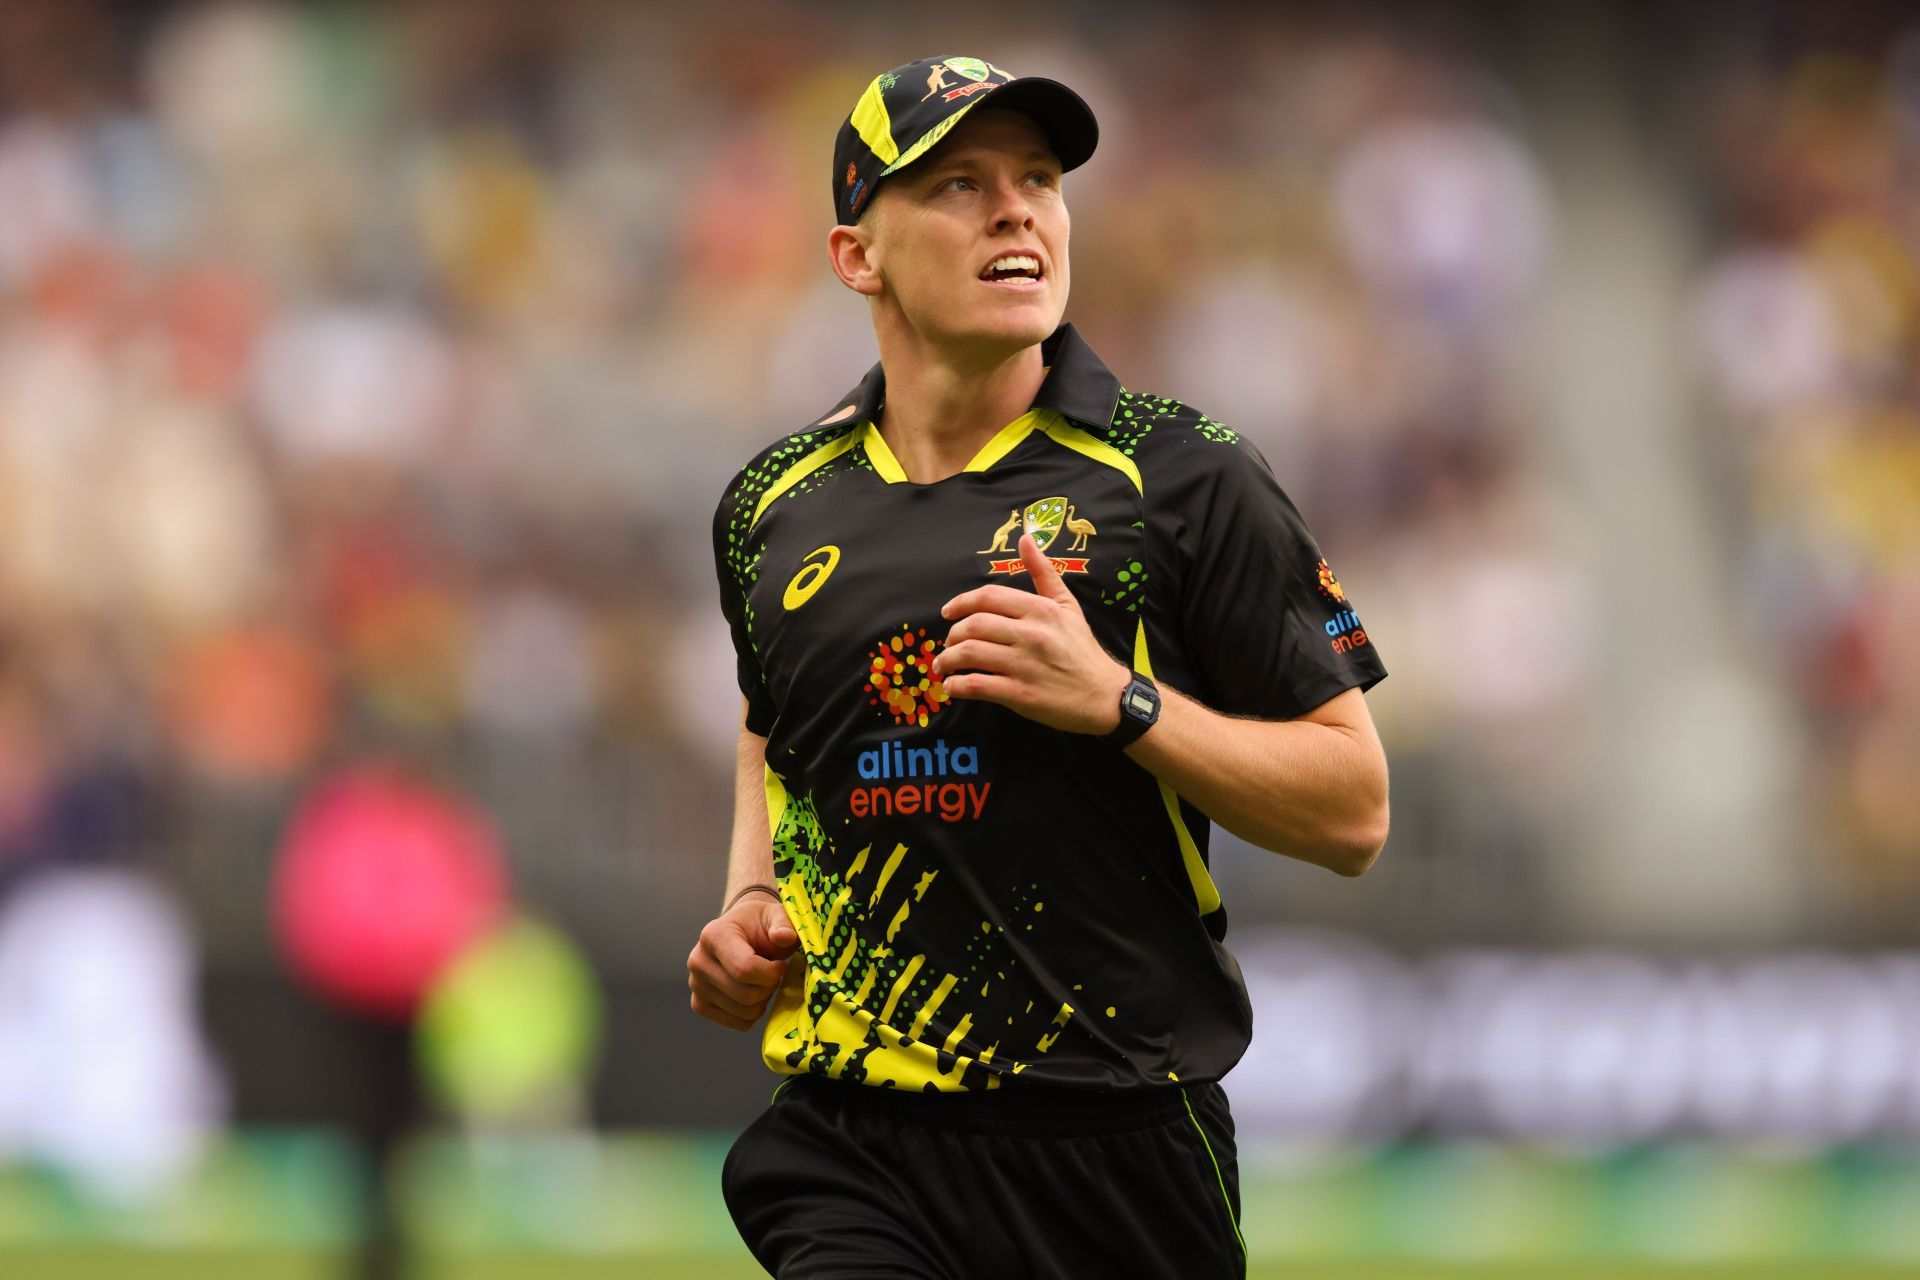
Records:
x=1060, y=1020
x=851, y=1007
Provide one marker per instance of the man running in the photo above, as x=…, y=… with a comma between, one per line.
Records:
x=969, y=861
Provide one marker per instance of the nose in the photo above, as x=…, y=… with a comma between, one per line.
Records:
x=1010, y=208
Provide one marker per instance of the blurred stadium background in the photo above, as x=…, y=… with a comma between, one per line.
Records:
x=368, y=375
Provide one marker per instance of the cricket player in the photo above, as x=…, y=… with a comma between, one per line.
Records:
x=1008, y=636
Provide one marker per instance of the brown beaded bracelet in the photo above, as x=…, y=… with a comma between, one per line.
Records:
x=763, y=888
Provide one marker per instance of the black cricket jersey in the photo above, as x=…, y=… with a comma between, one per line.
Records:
x=977, y=895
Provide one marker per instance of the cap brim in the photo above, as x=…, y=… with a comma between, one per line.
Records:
x=1062, y=115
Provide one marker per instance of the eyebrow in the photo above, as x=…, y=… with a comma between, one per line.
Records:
x=966, y=153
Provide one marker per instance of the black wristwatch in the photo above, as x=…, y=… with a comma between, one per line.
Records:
x=1139, y=708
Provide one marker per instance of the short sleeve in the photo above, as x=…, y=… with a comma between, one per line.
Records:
x=730, y=558
x=1267, y=624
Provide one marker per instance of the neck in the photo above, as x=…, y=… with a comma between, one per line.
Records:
x=942, y=406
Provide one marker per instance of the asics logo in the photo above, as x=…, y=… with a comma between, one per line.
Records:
x=812, y=576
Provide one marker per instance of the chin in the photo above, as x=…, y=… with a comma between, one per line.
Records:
x=1014, y=329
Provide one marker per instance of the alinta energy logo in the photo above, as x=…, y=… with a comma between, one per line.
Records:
x=1046, y=520
x=1344, y=627
x=938, y=779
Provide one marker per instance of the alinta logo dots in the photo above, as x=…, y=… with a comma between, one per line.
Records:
x=900, y=681
x=1046, y=520
x=1344, y=627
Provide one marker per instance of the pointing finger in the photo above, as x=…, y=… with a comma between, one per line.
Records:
x=1046, y=578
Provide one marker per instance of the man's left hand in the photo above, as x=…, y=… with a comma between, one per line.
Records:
x=1032, y=651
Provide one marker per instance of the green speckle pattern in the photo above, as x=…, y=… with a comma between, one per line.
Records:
x=744, y=546
x=1130, y=588
x=1135, y=417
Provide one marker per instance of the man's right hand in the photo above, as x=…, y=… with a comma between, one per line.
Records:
x=740, y=960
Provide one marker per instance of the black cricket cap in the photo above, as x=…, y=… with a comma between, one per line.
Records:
x=906, y=110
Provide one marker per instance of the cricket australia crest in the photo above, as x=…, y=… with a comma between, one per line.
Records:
x=1045, y=520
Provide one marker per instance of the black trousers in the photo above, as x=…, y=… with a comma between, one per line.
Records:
x=838, y=1180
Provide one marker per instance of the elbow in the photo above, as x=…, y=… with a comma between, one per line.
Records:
x=1360, y=849
x=1349, y=851
x=1367, y=836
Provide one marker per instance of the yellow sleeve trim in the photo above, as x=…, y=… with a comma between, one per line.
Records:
x=802, y=469
x=776, y=799
x=1206, y=894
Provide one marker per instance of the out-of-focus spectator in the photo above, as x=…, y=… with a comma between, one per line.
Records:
x=105, y=1075
x=1808, y=319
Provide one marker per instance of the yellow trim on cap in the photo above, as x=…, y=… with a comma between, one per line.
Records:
x=873, y=124
x=926, y=140
x=1205, y=893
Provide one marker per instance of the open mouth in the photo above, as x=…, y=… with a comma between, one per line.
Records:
x=1013, y=269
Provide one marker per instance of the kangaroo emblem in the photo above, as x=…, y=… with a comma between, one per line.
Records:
x=1079, y=528
x=1001, y=534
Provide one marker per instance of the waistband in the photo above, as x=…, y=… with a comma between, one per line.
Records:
x=1033, y=1107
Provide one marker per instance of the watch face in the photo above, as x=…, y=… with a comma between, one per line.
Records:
x=1141, y=702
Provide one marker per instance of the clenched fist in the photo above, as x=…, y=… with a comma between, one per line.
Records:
x=739, y=961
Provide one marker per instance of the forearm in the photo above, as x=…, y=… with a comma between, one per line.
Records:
x=1313, y=788
x=750, y=853
x=743, y=952
x=1315, y=792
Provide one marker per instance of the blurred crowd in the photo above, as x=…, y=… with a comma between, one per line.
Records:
x=1807, y=314
x=369, y=374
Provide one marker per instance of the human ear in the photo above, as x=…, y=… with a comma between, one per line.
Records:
x=850, y=253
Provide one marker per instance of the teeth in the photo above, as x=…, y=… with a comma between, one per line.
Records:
x=1015, y=262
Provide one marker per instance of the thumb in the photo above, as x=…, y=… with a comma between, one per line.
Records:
x=1046, y=578
x=782, y=938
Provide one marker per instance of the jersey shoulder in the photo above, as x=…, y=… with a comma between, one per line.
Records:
x=792, y=464
x=1175, y=443
x=775, y=461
